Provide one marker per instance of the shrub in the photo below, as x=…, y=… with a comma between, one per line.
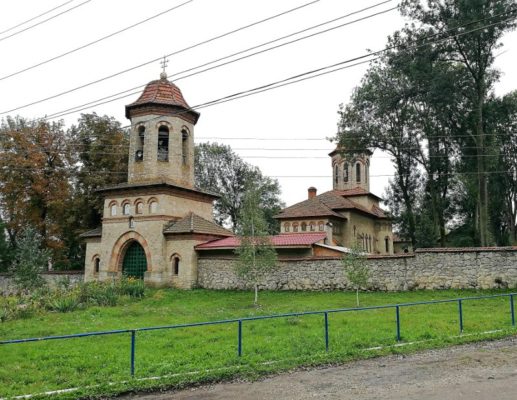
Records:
x=66, y=303
x=131, y=287
x=29, y=261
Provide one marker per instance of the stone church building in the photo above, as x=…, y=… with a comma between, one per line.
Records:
x=350, y=213
x=152, y=223
x=158, y=225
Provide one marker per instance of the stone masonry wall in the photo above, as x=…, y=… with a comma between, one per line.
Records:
x=52, y=279
x=426, y=269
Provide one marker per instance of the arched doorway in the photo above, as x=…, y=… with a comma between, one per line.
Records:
x=135, y=261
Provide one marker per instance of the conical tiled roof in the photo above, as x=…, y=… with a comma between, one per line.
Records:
x=162, y=92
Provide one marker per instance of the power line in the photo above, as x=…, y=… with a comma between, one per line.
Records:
x=84, y=46
x=131, y=92
x=280, y=84
x=319, y=72
x=324, y=70
x=36, y=17
x=45, y=20
x=327, y=176
x=190, y=47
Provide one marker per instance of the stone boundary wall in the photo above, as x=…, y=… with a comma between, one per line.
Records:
x=477, y=268
x=52, y=279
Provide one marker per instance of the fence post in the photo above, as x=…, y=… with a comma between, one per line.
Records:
x=460, y=310
x=133, y=339
x=397, y=309
x=326, y=331
x=239, y=338
x=512, y=309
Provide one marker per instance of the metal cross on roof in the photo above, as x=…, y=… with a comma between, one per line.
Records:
x=164, y=63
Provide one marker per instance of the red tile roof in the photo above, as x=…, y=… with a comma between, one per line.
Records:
x=163, y=93
x=326, y=205
x=283, y=240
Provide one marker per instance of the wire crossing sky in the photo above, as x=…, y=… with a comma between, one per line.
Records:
x=301, y=114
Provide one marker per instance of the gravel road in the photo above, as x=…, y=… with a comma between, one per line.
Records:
x=480, y=371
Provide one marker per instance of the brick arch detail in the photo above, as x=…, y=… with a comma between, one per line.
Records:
x=120, y=247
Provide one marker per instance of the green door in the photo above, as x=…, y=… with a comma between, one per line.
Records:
x=135, y=262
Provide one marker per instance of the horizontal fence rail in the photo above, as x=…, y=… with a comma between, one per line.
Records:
x=240, y=321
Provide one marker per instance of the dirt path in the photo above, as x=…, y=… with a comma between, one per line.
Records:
x=475, y=372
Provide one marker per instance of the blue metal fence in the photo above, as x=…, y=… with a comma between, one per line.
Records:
x=240, y=321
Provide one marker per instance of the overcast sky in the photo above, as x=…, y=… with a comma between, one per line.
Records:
x=283, y=122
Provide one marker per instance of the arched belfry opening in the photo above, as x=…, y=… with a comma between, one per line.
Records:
x=134, y=263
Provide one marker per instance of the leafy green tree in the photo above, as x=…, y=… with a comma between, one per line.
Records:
x=257, y=256
x=356, y=269
x=474, y=49
x=101, y=150
x=219, y=169
x=29, y=260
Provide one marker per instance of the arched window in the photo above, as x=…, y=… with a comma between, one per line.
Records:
x=345, y=173
x=286, y=227
x=304, y=226
x=176, y=265
x=366, y=172
x=163, y=143
x=96, y=265
x=312, y=226
x=336, y=172
x=358, y=172
x=126, y=208
x=355, y=229
x=321, y=226
x=387, y=244
x=113, y=209
x=184, y=145
x=295, y=227
x=370, y=242
x=139, y=154
x=153, y=207
x=139, y=208
x=131, y=222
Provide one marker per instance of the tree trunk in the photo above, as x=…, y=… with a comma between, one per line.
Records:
x=357, y=296
x=484, y=236
x=256, y=294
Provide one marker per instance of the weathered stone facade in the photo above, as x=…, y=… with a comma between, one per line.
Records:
x=426, y=269
x=52, y=278
x=152, y=223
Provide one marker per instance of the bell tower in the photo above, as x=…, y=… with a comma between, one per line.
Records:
x=350, y=171
x=161, y=144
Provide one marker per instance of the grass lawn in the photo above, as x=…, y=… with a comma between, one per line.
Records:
x=100, y=364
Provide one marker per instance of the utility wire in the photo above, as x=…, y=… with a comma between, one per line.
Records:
x=326, y=176
x=323, y=70
x=190, y=47
x=36, y=17
x=131, y=92
x=84, y=46
x=45, y=20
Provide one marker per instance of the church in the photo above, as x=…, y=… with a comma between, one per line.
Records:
x=152, y=223
x=158, y=225
x=350, y=213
